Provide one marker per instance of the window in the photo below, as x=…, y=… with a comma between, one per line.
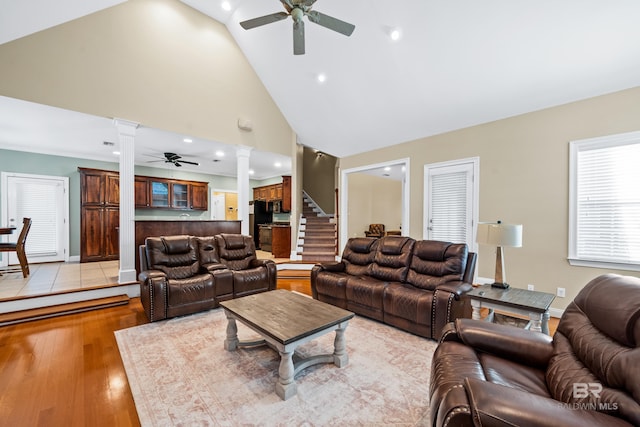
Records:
x=604, y=210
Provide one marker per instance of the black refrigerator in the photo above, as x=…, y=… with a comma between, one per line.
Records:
x=259, y=216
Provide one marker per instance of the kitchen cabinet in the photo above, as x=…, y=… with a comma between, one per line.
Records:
x=281, y=241
x=286, y=193
x=99, y=215
x=276, y=192
x=165, y=193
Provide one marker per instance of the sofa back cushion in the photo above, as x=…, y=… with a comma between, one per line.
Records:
x=434, y=262
x=358, y=255
x=175, y=256
x=208, y=250
x=391, y=262
x=596, y=361
x=236, y=251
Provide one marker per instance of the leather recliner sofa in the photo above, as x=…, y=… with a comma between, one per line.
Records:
x=417, y=286
x=183, y=274
x=588, y=374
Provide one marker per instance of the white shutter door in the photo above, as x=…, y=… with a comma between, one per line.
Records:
x=450, y=203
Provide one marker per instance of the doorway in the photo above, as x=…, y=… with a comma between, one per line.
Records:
x=397, y=170
x=224, y=205
x=45, y=200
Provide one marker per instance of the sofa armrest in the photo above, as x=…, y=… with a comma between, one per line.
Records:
x=497, y=405
x=456, y=287
x=146, y=275
x=336, y=267
x=532, y=348
x=214, y=266
x=260, y=263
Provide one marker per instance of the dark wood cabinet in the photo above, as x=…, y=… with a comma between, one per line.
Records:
x=142, y=192
x=286, y=193
x=281, y=241
x=171, y=194
x=199, y=196
x=276, y=192
x=99, y=215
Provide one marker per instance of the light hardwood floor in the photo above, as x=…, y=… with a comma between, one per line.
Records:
x=67, y=371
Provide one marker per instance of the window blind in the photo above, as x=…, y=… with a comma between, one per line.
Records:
x=449, y=207
x=607, y=202
x=35, y=200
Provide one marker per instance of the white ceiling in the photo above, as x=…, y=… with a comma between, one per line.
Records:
x=456, y=64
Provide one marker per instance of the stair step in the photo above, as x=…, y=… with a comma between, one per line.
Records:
x=59, y=310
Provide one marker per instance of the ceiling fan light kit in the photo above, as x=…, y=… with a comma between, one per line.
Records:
x=298, y=9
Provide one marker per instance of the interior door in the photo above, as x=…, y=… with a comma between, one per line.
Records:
x=44, y=199
x=451, y=201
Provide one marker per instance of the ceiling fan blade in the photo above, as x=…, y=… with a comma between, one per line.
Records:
x=190, y=163
x=298, y=38
x=308, y=3
x=263, y=20
x=171, y=156
x=331, y=23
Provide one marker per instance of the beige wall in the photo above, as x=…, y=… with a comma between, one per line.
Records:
x=156, y=62
x=373, y=199
x=524, y=178
x=318, y=179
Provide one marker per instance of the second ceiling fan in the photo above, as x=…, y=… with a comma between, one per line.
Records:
x=298, y=9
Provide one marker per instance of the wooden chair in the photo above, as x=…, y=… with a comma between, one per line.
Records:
x=375, y=230
x=18, y=248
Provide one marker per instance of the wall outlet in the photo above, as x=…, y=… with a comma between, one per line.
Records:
x=560, y=292
x=530, y=287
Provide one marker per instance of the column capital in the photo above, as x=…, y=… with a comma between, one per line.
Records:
x=243, y=151
x=125, y=127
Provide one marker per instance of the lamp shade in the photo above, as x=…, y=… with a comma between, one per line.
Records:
x=499, y=234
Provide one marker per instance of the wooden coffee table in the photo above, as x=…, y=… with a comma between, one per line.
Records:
x=286, y=320
x=535, y=305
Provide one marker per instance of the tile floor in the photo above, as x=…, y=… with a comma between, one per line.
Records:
x=66, y=276
x=58, y=276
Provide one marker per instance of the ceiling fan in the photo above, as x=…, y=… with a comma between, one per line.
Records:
x=297, y=9
x=175, y=159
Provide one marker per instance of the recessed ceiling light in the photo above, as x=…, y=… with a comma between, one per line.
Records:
x=387, y=169
x=116, y=153
x=322, y=77
x=188, y=140
x=251, y=172
x=277, y=164
x=220, y=153
x=395, y=34
x=226, y=6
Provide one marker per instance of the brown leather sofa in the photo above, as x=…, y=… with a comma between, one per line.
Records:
x=417, y=286
x=588, y=374
x=186, y=274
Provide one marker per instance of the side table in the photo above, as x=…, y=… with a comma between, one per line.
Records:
x=523, y=302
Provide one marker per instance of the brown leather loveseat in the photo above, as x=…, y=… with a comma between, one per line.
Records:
x=186, y=274
x=417, y=286
x=588, y=374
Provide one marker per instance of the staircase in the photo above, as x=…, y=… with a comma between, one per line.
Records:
x=317, y=237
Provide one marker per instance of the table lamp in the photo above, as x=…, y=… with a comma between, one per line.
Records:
x=499, y=235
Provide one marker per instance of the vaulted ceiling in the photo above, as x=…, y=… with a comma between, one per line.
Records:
x=455, y=63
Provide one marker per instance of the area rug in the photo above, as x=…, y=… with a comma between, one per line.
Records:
x=180, y=375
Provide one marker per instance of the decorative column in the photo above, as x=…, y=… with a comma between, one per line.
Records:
x=126, y=136
x=242, y=157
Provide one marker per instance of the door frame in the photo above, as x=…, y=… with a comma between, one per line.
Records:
x=4, y=207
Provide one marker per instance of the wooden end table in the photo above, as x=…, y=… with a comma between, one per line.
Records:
x=286, y=320
x=532, y=304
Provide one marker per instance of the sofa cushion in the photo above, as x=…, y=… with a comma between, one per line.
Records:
x=236, y=251
x=175, y=256
x=434, y=263
x=358, y=255
x=391, y=261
